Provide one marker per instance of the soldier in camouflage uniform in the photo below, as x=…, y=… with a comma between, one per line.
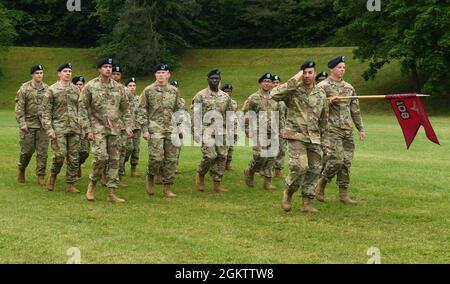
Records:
x=279, y=160
x=126, y=143
x=228, y=88
x=158, y=102
x=60, y=118
x=343, y=115
x=211, y=100
x=176, y=84
x=133, y=147
x=104, y=109
x=85, y=146
x=305, y=130
x=260, y=102
x=32, y=136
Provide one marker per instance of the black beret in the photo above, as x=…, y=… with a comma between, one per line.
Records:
x=276, y=78
x=64, y=66
x=227, y=87
x=308, y=64
x=162, y=67
x=175, y=83
x=35, y=68
x=334, y=62
x=117, y=69
x=267, y=76
x=131, y=80
x=104, y=61
x=75, y=80
x=321, y=74
x=215, y=72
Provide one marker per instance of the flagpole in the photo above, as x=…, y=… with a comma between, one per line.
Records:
x=376, y=97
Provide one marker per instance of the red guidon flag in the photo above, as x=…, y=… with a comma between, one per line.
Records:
x=411, y=115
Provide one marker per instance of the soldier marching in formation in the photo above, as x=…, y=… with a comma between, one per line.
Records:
x=315, y=128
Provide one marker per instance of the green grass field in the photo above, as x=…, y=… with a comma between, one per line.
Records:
x=241, y=67
x=404, y=193
x=405, y=212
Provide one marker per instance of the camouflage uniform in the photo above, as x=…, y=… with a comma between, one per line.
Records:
x=28, y=101
x=214, y=157
x=279, y=160
x=343, y=114
x=306, y=128
x=133, y=148
x=126, y=144
x=104, y=111
x=259, y=102
x=60, y=114
x=235, y=108
x=157, y=105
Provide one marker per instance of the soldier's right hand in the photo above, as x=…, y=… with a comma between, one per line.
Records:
x=146, y=136
x=52, y=135
x=90, y=136
x=24, y=128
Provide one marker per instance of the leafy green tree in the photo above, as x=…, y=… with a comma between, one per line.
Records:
x=417, y=33
x=7, y=34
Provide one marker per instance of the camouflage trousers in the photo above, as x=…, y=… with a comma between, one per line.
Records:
x=66, y=146
x=126, y=145
x=231, y=150
x=106, y=150
x=279, y=161
x=31, y=141
x=134, y=148
x=264, y=163
x=213, y=161
x=162, y=157
x=339, y=157
x=305, y=164
x=85, y=148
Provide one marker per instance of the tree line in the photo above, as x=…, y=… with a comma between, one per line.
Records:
x=140, y=33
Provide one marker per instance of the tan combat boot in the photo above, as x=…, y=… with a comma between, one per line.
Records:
x=51, y=182
x=286, y=203
x=121, y=182
x=159, y=179
x=268, y=184
x=71, y=188
x=41, y=180
x=344, y=198
x=307, y=207
x=133, y=171
x=112, y=197
x=149, y=185
x=200, y=183
x=167, y=192
x=21, y=176
x=278, y=173
x=249, y=177
x=90, y=194
x=228, y=166
x=320, y=189
x=218, y=188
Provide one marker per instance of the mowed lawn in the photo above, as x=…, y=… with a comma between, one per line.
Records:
x=405, y=211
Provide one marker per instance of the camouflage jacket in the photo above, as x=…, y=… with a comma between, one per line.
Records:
x=104, y=108
x=28, y=104
x=258, y=102
x=209, y=100
x=131, y=106
x=307, y=112
x=157, y=105
x=60, y=109
x=345, y=113
x=137, y=118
